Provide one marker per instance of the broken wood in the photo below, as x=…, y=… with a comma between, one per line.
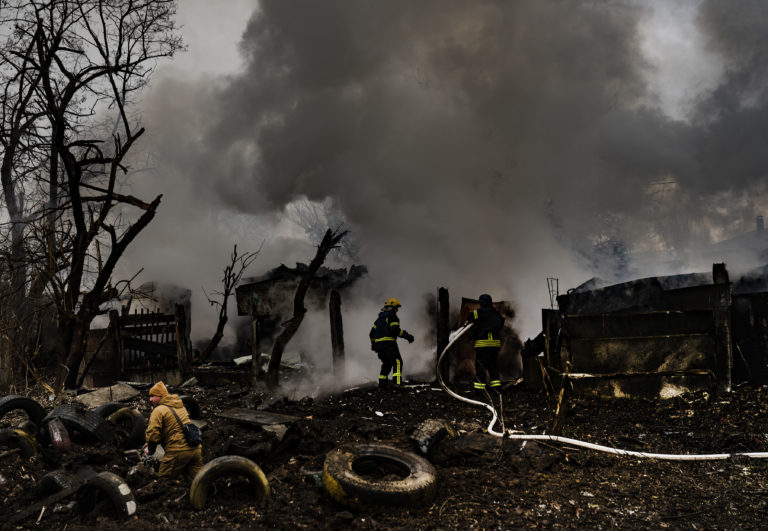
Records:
x=561, y=412
x=36, y=508
x=256, y=418
x=337, y=333
x=608, y=376
x=443, y=330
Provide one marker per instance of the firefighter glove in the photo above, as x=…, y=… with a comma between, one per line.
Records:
x=408, y=337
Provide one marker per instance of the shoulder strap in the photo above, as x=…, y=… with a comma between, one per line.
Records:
x=175, y=415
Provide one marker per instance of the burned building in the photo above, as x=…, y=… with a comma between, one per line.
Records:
x=268, y=299
x=659, y=335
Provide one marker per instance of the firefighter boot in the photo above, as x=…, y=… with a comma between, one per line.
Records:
x=383, y=384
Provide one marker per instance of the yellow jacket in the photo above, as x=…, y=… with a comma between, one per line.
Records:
x=163, y=428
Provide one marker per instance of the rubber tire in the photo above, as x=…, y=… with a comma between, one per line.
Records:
x=28, y=426
x=107, y=409
x=54, y=482
x=349, y=488
x=61, y=442
x=138, y=430
x=34, y=411
x=15, y=438
x=86, y=422
x=228, y=465
x=114, y=487
x=192, y=407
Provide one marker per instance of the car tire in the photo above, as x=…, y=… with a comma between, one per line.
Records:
x=15, y=438
x=137, y=426
x=113, y=487
x=28, y=426
x=86, y=422
x=54, y=482
x=192, y=407
x=57, y=435
x=107, y=409
x=34, y=411
x=228, y=465
x=346, y=485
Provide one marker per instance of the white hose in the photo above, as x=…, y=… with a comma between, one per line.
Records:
x=575, y=442
x=456, y=335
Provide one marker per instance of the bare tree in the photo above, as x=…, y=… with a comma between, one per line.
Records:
x=67, y=65
x=232, y=275
x=330, y=241
x=315, y=216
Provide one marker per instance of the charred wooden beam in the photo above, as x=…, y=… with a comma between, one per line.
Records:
x=443, y=329
x=337, y=332
x=183, y=350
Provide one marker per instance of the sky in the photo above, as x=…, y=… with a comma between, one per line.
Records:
x=478, y=145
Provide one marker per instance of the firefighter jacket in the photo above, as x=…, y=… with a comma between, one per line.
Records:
x=163, y=427
x=487, y=326
x=387, y=328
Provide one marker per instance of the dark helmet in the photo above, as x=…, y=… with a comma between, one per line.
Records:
x=485, y=299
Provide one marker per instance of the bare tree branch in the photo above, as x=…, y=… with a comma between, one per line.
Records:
x=232, y=275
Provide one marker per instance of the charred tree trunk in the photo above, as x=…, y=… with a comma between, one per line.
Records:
x=74, y=328
x=330, y=241
x=75, y=336
x=215, y=340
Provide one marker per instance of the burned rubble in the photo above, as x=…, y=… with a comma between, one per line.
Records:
x=420, y=456
x=480, y=481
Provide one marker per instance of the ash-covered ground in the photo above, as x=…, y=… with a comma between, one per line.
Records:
x=482, y=481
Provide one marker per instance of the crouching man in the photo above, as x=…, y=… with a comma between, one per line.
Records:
x=165, y=428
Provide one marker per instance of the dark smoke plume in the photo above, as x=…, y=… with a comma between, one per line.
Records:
x=483, y=144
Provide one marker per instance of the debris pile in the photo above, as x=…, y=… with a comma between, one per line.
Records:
x=479, y=480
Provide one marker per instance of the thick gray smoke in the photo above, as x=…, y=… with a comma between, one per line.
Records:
x=479, y=145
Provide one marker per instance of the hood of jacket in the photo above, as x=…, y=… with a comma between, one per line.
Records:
x=171, y=400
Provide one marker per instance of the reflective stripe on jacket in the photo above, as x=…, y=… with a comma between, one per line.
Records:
x=386, y=328
x=488, y=324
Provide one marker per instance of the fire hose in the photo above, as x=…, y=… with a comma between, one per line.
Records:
x=567, y=440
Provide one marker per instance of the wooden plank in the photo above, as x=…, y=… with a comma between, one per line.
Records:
x=257, y=418
x=47, y=502
x=150, y=347
x=639, y=324
x=145, y=318
x=133, y=331
x=644, y=354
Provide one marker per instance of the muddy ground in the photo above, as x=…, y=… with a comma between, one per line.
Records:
x=482, y=483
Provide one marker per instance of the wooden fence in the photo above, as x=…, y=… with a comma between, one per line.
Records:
x=155, y=341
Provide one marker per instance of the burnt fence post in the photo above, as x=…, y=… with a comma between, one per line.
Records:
x=443, y=331
x=337, y=333
x=721, y=311
x=183, y=350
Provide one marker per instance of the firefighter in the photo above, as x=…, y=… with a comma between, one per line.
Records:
x=383, y=335
x=486, y=334
x=166, y=430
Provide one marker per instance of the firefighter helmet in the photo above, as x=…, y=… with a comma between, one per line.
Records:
x=485, y=299
x=395, y=303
